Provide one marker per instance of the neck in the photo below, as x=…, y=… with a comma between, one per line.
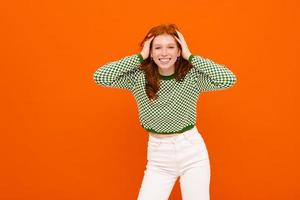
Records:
x=166, y=72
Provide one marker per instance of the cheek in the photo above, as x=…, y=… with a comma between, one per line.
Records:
x=155, y=54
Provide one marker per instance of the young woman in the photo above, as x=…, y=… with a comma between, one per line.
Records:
x=166, y=80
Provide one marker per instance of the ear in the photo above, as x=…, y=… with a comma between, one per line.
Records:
x=179, y=52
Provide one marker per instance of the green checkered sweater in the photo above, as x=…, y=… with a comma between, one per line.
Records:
x=175, y=109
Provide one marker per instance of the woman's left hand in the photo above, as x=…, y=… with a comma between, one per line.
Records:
x=185, y=50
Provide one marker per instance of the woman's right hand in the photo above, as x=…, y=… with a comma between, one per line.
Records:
x=146, y=48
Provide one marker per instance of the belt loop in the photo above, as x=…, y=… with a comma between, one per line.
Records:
x=185, y=135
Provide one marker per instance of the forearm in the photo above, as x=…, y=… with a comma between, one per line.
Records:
x=219, y=75
x=112, y=71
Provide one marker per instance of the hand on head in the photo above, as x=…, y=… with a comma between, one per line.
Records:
x=146, y=48
x=185, y=50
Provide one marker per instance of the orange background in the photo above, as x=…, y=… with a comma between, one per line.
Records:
x=64, y=137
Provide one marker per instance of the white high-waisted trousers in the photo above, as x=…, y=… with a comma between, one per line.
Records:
x=184, y=155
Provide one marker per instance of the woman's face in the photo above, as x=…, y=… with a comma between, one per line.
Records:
x=165, y=52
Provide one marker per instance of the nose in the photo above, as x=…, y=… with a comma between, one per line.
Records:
x=164, y=51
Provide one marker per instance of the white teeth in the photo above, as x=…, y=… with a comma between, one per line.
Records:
x=165, y=59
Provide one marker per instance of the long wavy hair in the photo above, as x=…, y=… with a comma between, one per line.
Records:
x=182, y=66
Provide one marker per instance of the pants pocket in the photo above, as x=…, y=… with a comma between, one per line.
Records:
x=194, y=138
x=152, y=149
x=153, y=145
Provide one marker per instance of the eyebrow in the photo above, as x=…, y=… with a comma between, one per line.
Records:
x=167, y=44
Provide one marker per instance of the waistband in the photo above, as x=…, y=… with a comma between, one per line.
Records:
x=177, y=137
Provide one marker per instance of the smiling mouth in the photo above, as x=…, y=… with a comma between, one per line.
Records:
x=164, y=60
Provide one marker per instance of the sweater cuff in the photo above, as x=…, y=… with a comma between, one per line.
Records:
x=191, y=57
x=140, y=57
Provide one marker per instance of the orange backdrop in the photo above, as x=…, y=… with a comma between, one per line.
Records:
x=64, y=137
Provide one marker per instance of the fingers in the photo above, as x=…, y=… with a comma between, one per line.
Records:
x=178, y=40
x=149, y=40
x=150, y=37
x=180, y=35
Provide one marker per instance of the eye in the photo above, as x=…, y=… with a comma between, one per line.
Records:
x=169, y=47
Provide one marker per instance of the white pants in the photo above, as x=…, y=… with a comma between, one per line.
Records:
x=185, y=156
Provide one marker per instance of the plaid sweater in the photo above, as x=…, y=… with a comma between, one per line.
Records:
x=175, y=109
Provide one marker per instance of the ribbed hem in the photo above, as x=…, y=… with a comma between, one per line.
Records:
x=172, y=76
x=180, y=131
x=191, y=57
x=140, y=57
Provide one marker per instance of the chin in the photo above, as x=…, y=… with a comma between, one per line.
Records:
x=165, y=66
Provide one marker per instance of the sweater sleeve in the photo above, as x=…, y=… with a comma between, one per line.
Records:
x=210, y=75
x=120, y=73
